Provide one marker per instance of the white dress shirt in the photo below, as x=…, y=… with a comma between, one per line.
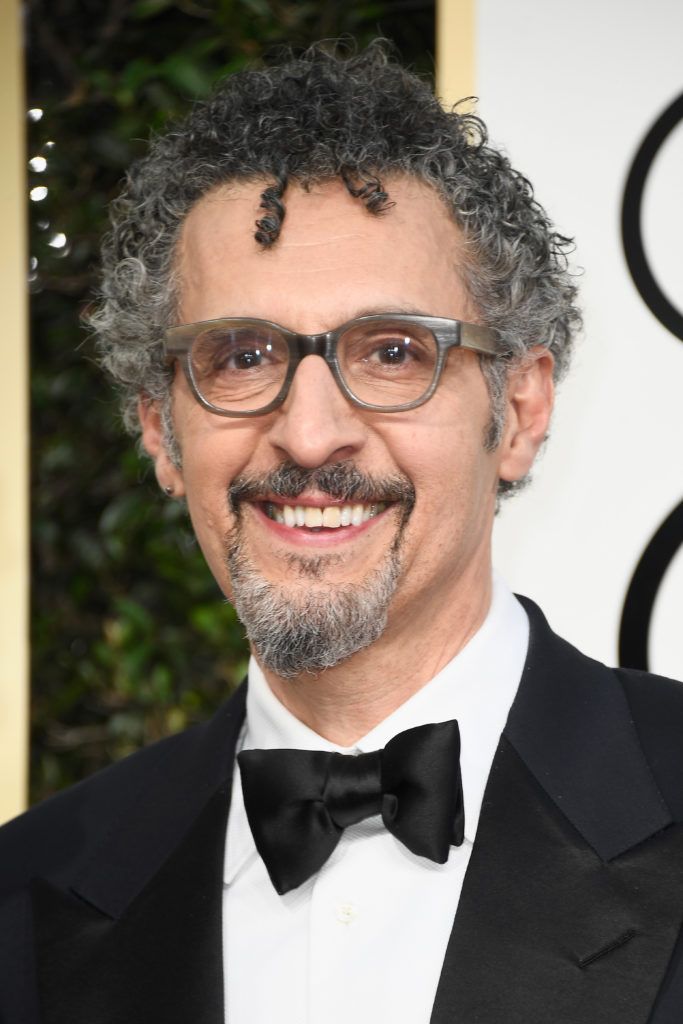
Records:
x=364, y=939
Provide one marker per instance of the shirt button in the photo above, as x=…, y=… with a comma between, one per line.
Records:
x=346, y=913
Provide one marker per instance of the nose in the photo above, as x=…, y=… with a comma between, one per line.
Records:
x=316, y=424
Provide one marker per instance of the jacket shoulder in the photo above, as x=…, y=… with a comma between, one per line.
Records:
x=57, y=838
x=62, y=829
x=656, y=704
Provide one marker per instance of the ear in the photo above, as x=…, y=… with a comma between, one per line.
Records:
x=530, y=393
x=167, y=474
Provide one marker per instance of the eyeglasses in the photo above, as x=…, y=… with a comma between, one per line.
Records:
x=383, y=362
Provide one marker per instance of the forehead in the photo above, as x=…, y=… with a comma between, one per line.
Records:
x=333, y=259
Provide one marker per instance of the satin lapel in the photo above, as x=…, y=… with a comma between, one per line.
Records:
x=137, y=937
x=160, y=960
x=573, y=897
x=546, y=930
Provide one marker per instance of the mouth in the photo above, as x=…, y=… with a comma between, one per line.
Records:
x=322, y=517
x=323, y=507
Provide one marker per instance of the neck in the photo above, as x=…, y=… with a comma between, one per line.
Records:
x=345, y=702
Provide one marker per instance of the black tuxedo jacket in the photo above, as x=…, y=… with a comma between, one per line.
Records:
x=570, y=912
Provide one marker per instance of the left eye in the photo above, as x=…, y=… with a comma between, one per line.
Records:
x=391, y=352
x=387, y=352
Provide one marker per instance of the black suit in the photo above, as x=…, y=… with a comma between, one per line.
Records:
x=570, y=911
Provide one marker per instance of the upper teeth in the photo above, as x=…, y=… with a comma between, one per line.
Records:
x=332, y=516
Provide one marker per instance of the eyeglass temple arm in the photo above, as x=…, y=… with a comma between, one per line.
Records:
x=479, y=338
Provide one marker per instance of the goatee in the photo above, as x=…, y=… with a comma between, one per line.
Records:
x=306, y=626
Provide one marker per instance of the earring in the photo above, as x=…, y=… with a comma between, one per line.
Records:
x=168, y=490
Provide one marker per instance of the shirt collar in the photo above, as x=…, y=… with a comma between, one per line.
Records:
x=476, y=687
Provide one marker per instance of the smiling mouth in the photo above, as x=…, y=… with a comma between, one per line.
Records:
x=330, y=517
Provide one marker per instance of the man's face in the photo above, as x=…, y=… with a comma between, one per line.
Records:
x=334, y=261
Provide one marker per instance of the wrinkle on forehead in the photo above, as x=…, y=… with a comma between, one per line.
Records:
x=310, y=210
x=328, y=241
x=331, y=240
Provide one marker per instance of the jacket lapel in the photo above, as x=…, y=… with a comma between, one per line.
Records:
x=137, y=935
x=573, y=897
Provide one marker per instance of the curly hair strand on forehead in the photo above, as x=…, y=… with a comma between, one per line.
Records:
x=311, y=118
x=268, y=228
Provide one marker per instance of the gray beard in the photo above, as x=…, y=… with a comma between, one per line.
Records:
x=309, y=625
x=304, y=627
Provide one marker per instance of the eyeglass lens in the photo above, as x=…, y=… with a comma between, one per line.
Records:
x=242, y=368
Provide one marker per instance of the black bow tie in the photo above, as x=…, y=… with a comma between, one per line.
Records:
x=299, y=802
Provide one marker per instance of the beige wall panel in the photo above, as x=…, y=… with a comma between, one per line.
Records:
x=455, y=46
x=13, y=425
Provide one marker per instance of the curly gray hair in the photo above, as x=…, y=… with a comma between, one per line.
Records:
x=311, y=118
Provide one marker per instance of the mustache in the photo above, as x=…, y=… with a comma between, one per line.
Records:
x=340, y=480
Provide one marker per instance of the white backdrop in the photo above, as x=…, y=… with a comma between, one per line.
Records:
x=570, y=91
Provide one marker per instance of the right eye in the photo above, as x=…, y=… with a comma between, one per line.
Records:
x=220, y=352
x=247, y=359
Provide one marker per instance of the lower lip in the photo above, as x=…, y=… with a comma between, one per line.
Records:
x=323, y=537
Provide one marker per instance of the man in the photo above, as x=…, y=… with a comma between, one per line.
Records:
x=337, y=316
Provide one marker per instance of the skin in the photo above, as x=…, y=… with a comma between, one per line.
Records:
x=335, y=261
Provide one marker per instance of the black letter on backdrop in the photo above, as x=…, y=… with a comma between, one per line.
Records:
x=661, y=550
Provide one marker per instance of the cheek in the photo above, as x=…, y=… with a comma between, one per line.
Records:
x=445, y=456
x=210, y=522
x=214, y=451
x=212, y=458
x=207, y=477
x=455, y=481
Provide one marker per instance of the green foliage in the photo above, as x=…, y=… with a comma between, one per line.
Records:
x=131, y=638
